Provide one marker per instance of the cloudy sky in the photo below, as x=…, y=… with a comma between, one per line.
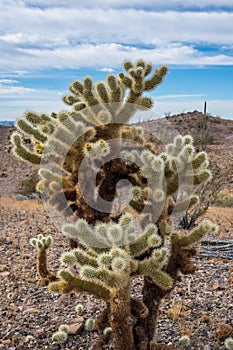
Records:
x=45, y=44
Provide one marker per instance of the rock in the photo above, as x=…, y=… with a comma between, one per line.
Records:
x=3, y=175
x=76, y=326
x=19, y=197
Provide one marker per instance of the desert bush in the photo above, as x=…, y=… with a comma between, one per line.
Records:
x=27, y=186
x=211, y=193
x=109, y=249
x=224, y=199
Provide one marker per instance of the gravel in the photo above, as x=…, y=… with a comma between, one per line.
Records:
x=196, y=307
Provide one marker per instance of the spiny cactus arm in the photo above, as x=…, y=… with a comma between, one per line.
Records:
x=199, y=159
x=42, y=244
x=156, y=78
x=196, y=235
x=172, y=184
x=81, y=93
x=77, y=128
x=133, y=132
x=70, y=99
x=69, y=283
x=202, y=177
x=144, y=102
x=79, y=257
x=104, y=116
x=149, y=239
x=28, y=129
x=22, y=152
x=102, y=92
x=186, y=203
x=152, y=267
x=89, y=92
x=162, y=280
x=49, y=175
x=116, y=89
x=104, y=277
x=96, y=149
x=56, y=146
x=43, y=117
x=82, y=232
x=156, y=261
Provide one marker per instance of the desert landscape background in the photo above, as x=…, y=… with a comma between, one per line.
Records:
x=203, y=310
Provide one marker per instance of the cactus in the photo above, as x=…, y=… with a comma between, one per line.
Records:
x=59, y=337
x=42, y=243
x=184, y=341
x=90, y=324
x=79, y=309
x=109, y=249
x=229, y=343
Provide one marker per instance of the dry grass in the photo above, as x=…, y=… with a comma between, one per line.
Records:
x=31, y=206
x=223, y=217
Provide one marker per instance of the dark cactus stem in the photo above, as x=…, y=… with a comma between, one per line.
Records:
x=152, y=296
x=42, y=268
x=121, y=321
x=205, y=108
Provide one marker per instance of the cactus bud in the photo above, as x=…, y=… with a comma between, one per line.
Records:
x=184, y=341
x=229, y=343
x=33, y=242
x=79, y=309
x=59, y=337
x=90, y=324
x=119, y=264
x=107, y=330
x=64, y=328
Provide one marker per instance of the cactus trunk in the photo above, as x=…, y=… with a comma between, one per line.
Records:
x=121, y=320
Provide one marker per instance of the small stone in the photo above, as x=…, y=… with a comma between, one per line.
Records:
x=76, y=326
x=40, y=330
x=4, y=273
x=31, y=309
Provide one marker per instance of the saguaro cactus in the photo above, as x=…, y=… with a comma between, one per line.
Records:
x=110, y=249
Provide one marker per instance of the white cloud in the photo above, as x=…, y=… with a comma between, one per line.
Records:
x=99, y=56
x=6, y=92
x=178, y=96
x=106, y=69
x=8, y=89
x=7, y=81
x=59, y=26
x=13, y=103
x=42, y=34
x=71, y=36
x=158, y=4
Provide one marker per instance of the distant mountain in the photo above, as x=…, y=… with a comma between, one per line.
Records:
x=204, y=129
x=7, y=123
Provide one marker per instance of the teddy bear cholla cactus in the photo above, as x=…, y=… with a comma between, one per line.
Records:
x=110, y=250
x=98, y=112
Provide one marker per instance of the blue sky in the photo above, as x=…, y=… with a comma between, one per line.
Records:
x=45, y=44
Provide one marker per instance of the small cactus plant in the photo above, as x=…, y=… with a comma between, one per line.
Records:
x=59, y=337
x=229, y=343
x=184, y=341
x=90, y=324
x=79, y=309
x=109, y=249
